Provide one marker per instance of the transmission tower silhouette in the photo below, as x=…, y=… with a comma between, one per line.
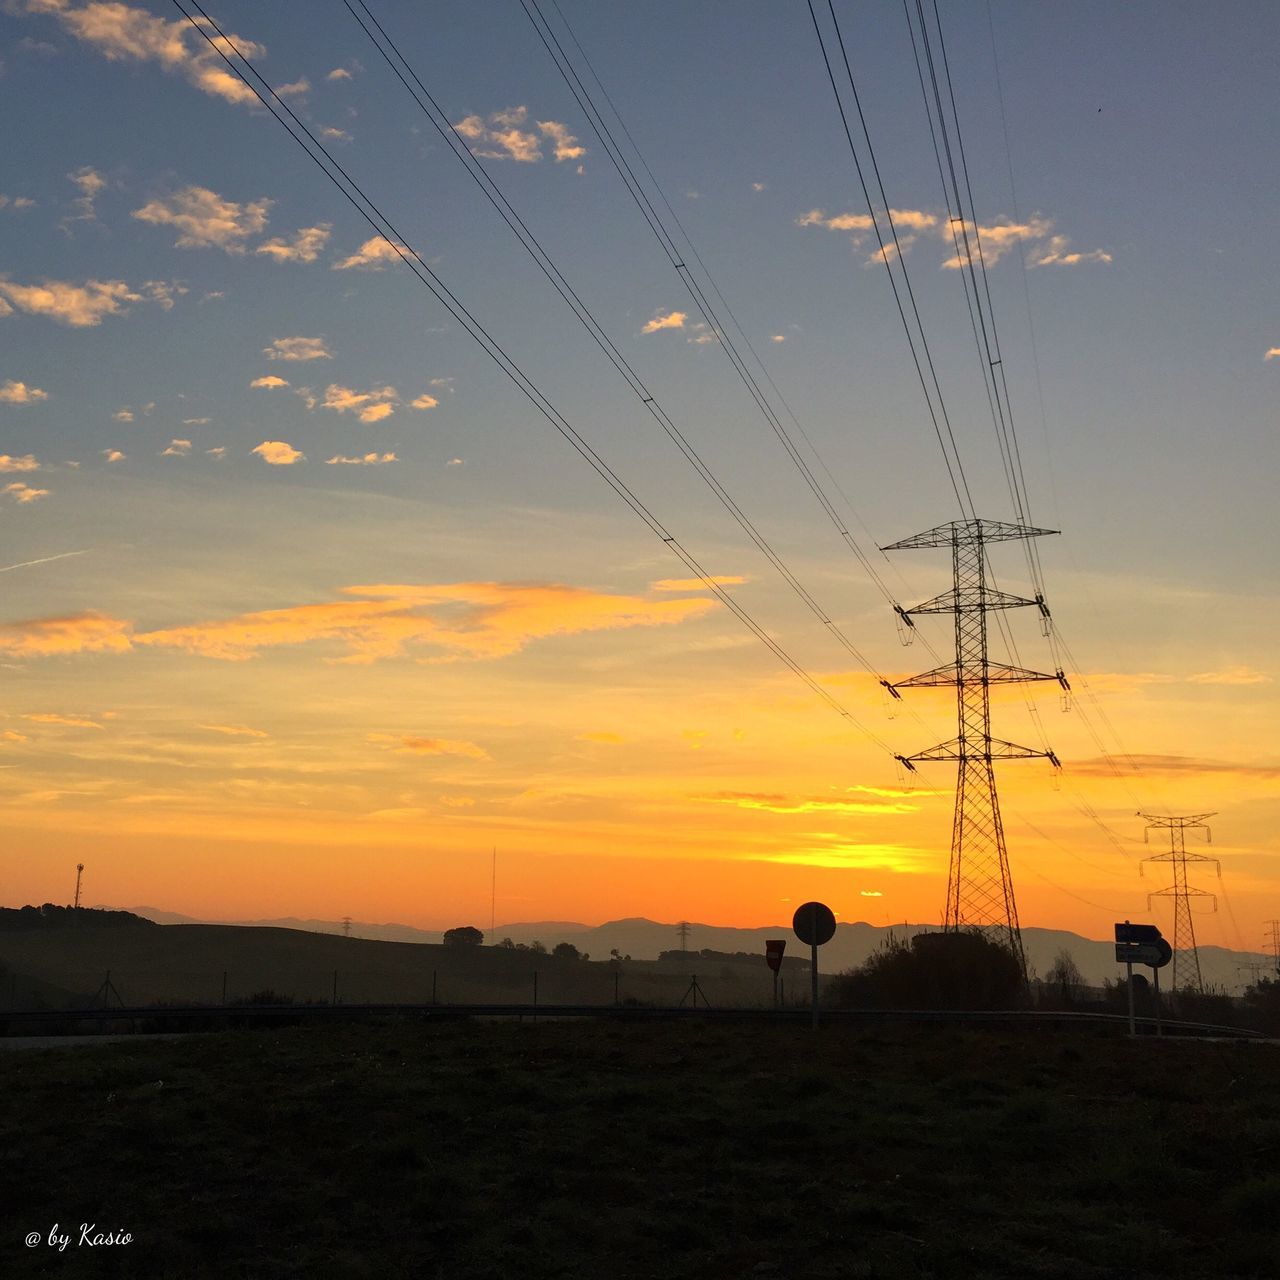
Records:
x=1273, y=938
x=683, y=930
x=79, y=874
x=979, y=887
x=1186, y=958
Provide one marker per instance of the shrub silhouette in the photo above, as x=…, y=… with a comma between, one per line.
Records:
x=465, y=935
x=934, y=971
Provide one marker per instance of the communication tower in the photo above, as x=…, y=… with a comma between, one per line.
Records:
x=79, y=874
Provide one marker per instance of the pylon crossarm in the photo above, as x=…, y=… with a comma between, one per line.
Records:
x=965, y=531
x=957, y=749
x=971, y=600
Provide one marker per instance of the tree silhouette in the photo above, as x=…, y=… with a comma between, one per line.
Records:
x=466, y=935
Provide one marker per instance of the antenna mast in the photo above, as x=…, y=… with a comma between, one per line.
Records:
x=79, y=873
x=979, y=887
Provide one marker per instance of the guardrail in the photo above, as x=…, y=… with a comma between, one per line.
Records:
x=225, y=1015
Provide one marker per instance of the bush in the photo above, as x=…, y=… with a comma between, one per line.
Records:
x=466, y=935
x=934, y=971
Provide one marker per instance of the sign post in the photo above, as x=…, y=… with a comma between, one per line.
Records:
x=814, y=923
x=773, y=949
x=1142, y=944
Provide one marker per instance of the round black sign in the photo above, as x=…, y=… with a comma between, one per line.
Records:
x=814, y=923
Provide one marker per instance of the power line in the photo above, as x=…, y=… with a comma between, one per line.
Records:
x=387, y=230
x=422, y=96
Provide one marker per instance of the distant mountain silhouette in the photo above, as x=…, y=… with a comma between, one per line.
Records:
x=645, y=939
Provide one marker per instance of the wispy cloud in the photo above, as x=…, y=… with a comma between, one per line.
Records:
x=87, y=632
x=279, y=453
x=1173, y=766
x=269, y=381
x=565, y=145
x=669, y=320
x=113, y=455
x=374, y=254
x=1232, y=676
x=234, y=730
x=71, y=722
x=780, y=803
x=408, y=744
x=339, y=73
x=206, y=220
x=369, y=406
x=19, y=393
x=297, y=349
x=90, y=183
x=304, y=247
x=1272, y=354
x=367, y=460
x=123, y=33
x=697, y=584
x=80, y=305
x=177, y=449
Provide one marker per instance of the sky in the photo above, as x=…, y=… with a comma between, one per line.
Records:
x=308, y=611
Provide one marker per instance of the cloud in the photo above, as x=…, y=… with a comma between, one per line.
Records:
x=74, y=722
x=501, y=138
x=758, y=186
x=123, y=33
x=122, y=415
x=1172, y=766
x=278, y=453
x=431, y=746
x=298, y=89
x=1055, y=254
x=24, y=493
x=87, y=632
x=1232, y=675
x=456, y=462
x=778, y=803
x=777, y=337
x=368, y=460
x=449, y=622
x=218, y=452
x=700, y=334
x=334, y=134
x=424, y=402
x=1273, y=354
x=234, y=730
x=90, y=183
x=205, y=220
x=113, y=455
x=369, y=406
x=297, y=349
x=605, y=738
x=375, y=253
x=25, y=463
x=196, y=422
x=79, y=305
x=177, y=449
x=696, y=584
x=870, y=893
x=16, y=203
x=270, y=380
x=566, y=145
x=339, y=73
x=304, y=247
x=672, y=320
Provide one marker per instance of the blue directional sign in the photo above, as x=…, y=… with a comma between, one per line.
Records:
x=1144, y=933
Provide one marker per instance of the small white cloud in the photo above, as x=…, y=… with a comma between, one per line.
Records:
x=339, y=73
x=567, y=147
x=304, y=247
x=80, y=306
x=297, y=349
x=758, y=186
x=113, y=455
x=502, y=138
x=295, y=90
x=870, y=893
x=424, y=402
x=777, y=337
x=367, y=460
x=19, y=393
x=455, y=462
x=269, y=380
x=122, y=415
x=217, y=453
x=369, y=406
x=671, y=320
x=278, y=453
x=1273, y=354
x=27, y=462
x=375, y=253
x=196, y=422
x=700, y=334
x=24, y=493
x=177, y=449
x=206, y=220
x=335, y=135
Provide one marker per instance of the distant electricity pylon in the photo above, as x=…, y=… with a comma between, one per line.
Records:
x=79, y=873
x=1186, y=958
x=979, y=888
x=346, y=926
x=1273, y=937
x=683, y=930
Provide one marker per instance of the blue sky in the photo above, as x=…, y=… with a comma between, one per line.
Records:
x=1140, y=244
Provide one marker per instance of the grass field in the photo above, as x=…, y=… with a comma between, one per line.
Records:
x=668, y=1149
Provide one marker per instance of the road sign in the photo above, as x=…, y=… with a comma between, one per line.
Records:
x=1143, y=953
x=814, y=923
x=1165, y=954
x=1127, y=932
x=773, y=949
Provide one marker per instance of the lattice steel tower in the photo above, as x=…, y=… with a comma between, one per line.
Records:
x=979, y=887
x=1186, y=958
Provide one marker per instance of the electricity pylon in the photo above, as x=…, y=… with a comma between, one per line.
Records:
x=1186, y=958
x=979, y=887
x=1273, y=937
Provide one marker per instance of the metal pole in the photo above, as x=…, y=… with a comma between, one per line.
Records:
x=535, y=995
x=224, y=988
x=813, y=970
x=616, y=975
x=1155, y=974
x=335, y=986
x=1128, y=967
x=775, y=988
x=433, y=986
